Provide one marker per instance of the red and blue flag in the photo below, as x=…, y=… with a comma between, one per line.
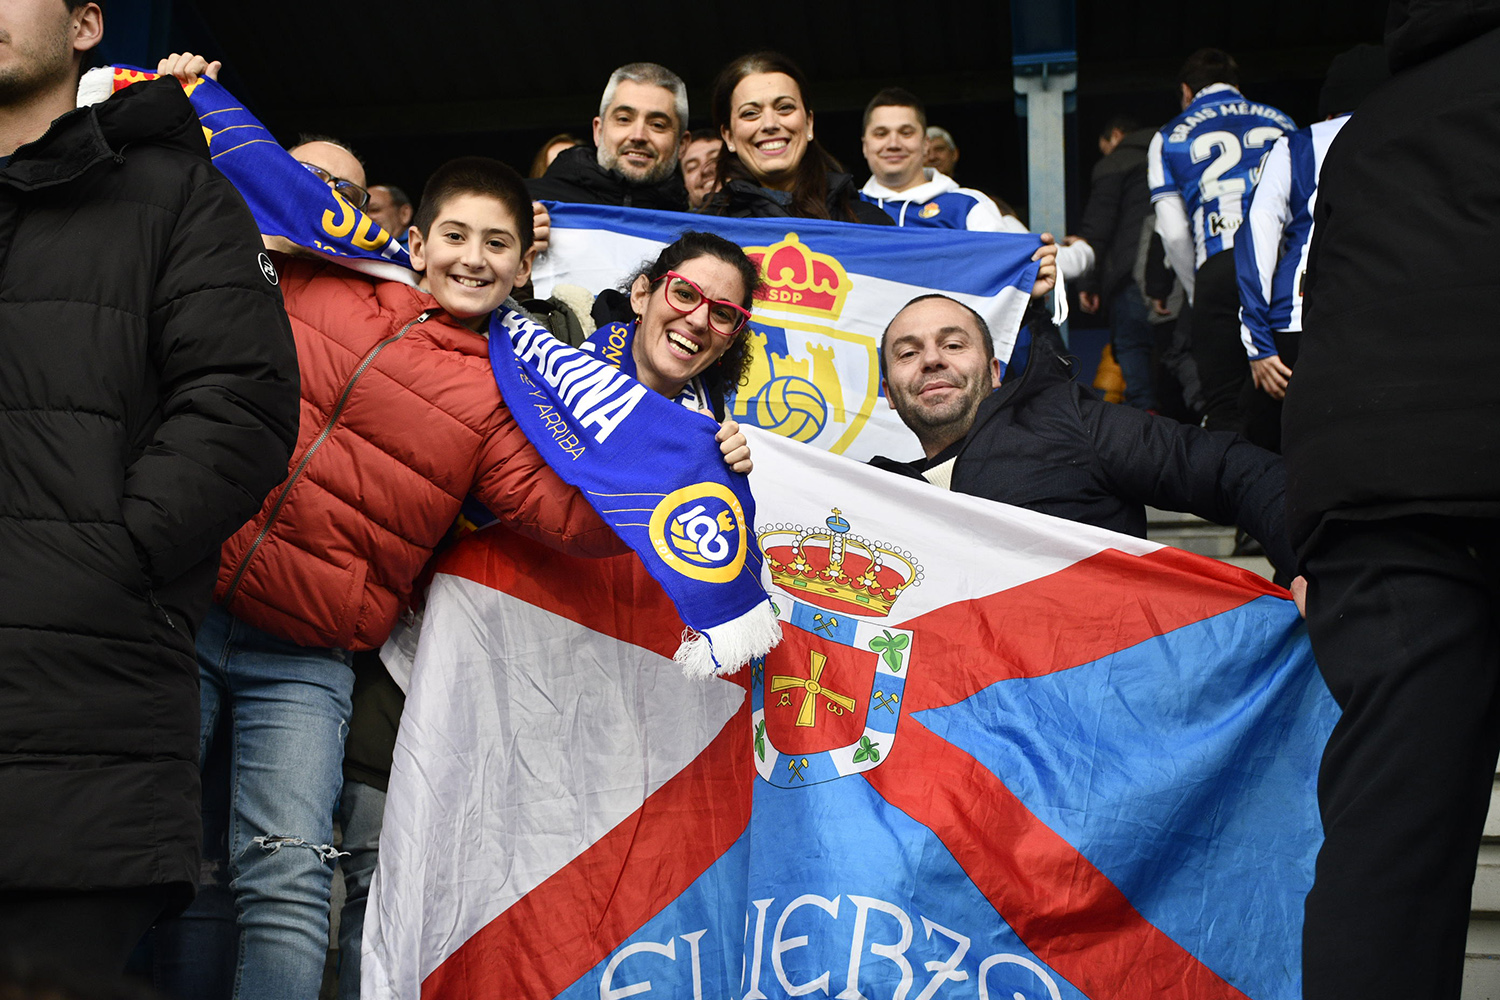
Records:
x=996, y=755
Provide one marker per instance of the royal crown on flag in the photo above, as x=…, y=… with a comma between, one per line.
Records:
x=795, y=277
x=833, y=568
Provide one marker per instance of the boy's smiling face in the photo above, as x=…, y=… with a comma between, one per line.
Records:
x=471, y=256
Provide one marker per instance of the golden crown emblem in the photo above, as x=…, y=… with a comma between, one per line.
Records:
x=834, y=568
x=794, y=277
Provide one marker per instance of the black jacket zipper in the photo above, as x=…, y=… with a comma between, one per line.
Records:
x=333, y=419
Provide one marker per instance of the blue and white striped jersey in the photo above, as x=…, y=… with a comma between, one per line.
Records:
x=1270, y=254
x=1210, y=157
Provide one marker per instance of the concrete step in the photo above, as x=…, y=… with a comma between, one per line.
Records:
x=1209, y=540
x=1482, y=961
x=1190, y=532
x=1487, y=881
x=1155, y=515
x=1259, y=565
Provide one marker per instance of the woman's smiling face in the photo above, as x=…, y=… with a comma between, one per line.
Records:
x=670, y=348
x=769, y=128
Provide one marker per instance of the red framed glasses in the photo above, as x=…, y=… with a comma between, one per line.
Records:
x=684, y=296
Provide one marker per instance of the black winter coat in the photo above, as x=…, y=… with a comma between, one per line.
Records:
x=575, y=176
x=1395, y=407
x=741, y=199
x=1048, y=444
x=1119, y=202
x=148, y=402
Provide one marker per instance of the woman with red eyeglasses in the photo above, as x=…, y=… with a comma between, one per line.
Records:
x=688, y=338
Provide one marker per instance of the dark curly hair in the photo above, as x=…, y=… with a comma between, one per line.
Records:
x=730, y=370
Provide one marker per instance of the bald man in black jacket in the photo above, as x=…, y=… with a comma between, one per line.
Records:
x=1043, y=442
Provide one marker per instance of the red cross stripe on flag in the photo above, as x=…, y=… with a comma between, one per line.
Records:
x=653, y=859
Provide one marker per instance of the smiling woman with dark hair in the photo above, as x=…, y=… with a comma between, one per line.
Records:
x=777, y=167
x=684, y=339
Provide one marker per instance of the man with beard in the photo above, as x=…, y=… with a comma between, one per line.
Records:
x=641, y=126
x=148, y=402
x=1044, y=442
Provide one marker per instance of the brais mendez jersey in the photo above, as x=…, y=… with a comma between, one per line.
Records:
x=1210, y=156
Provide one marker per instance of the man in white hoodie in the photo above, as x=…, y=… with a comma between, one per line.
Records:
x=895, y=145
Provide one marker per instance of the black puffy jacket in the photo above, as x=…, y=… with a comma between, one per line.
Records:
x=575, y=176
x=1046, y=443
x=148, y=402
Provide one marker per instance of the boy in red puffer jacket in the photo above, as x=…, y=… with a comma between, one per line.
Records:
x=401, y=419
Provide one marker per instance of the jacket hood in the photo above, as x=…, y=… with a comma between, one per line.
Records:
x=157, y=110
x=1418, y=30
x=937, y=183
x=579, y=166
x=1139, y=139
x=153, y=111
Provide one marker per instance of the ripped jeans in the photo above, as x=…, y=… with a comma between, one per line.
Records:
x=288, y=711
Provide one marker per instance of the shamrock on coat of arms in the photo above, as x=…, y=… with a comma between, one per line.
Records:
x=889, y=647
x=868, y=750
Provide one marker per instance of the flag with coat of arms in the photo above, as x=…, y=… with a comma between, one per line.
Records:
x=829, y=290
x=996, y=755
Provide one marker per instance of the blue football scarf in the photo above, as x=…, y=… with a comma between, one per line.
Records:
x=288, y=200
x=654, y=472
x=612, y=343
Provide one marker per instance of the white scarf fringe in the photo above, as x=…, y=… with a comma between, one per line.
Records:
x=725, y=648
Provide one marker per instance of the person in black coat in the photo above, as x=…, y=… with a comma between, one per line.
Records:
x=640, y=130
x=1043, y=442
x=575, y=176
x=148, y=403
x=1391, y=431
x=1119, y=205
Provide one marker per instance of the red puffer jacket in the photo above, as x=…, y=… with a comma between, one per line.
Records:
x=401, y=419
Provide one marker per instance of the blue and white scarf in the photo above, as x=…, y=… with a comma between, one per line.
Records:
x=612, y=344
x=287, y=199
x=654, y=472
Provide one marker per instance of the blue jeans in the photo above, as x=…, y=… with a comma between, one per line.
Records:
x=288, y=709
x=1130, y=332
x=361, y=812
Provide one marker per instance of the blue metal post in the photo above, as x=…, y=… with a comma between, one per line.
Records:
x=1045, y=70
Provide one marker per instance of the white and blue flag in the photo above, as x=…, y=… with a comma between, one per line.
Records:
x=830, y=289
